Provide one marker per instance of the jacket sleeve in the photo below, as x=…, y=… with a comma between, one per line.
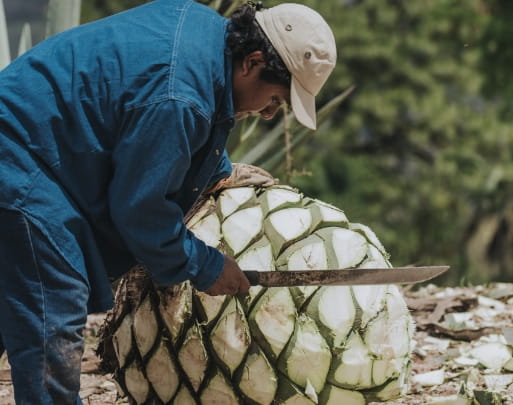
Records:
x=150, y=161
x=224, y=169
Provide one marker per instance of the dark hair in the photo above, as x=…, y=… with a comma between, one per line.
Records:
x=246, y=36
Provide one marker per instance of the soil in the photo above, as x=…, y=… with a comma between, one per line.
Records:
x=443, y=342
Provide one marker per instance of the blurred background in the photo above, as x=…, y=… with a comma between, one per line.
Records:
x=415, y=137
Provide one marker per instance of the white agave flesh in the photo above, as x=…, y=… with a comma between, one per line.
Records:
x=206, y=209
x=287, y=225
x=389, y=335
x=272, y=320
x=278, y=198
x=208, y=229
x=324, y=215
x=333, y=308
x=430, y=378
x=391, y=390
x=353, y=367
x=345, y=248
x=258, y=256
x=369, y=235
x=370, y=300
x=383, y=370
x=145, y=326
x=209, y=306
x=162, y=373
x=242, y=228
x=388, y=338
x=193, y=356
x=258, y=380
x=375, y=257
x=230, y=336
x=310, y=257
x=307, y=356
x=232, y=199
x=493, y=355
x=338, y=396
x=136, y=383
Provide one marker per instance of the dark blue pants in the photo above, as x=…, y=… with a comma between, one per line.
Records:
x=43, y=309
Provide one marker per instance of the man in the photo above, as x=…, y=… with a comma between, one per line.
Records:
x=109, y=132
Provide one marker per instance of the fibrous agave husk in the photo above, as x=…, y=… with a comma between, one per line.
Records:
x=301, y=345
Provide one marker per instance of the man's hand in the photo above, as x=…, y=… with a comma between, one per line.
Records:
x=232, y=280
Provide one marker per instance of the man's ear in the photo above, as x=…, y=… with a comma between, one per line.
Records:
x=252, y=60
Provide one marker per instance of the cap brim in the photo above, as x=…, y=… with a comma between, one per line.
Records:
x=303, y=104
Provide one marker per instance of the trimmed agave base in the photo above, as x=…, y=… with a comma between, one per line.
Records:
x=301, y=345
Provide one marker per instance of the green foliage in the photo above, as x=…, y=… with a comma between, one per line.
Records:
x=421, y=150
x=418, y=152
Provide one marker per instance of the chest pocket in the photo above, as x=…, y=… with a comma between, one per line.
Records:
x=204, y=164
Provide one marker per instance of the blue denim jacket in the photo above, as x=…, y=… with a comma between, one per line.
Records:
x=108, y=134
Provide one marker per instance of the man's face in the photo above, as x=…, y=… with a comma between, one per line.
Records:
x=252, y=95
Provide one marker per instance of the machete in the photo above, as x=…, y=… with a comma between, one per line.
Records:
x=362, y=276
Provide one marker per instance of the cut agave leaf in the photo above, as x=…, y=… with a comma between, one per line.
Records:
x=272, y=320
x=122, y=339
x=242, y=228
x=290, y=394
x=184, y=397
x=162, y=373
x=233, y=199
x=257, y=379
x=325, y=215
x=209, y=307
x=286, y=226
x=136, y=383
x=208, y=229
x=307, y=357
x=219, y=391
x=353, y=367
x=334, y=311
x=332, y=395
x=277, y=198
x=230, y=336
x=193, y=356
x=175, y=306
x=145, y=327
x=345, y=248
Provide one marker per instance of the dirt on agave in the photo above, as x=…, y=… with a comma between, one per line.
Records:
x=451, y=323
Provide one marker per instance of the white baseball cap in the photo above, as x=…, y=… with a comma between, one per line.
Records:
x=307, y=46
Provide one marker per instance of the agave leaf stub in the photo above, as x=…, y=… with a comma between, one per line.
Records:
x=307, y=357
x=257, y=379
x=242, y=228
x=272, y=320
x=136, y=383
x=145, y=326
x=193, y=356
x=162, y=373
x=230, y=336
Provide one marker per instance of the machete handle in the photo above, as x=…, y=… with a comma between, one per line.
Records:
x=252, y=276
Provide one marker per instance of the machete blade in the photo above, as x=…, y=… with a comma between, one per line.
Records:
x=362, y=276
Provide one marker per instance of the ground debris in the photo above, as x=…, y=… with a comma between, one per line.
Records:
x=462, y=355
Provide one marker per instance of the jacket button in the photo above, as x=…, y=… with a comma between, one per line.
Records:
x=218, y=152
x=195, y=189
